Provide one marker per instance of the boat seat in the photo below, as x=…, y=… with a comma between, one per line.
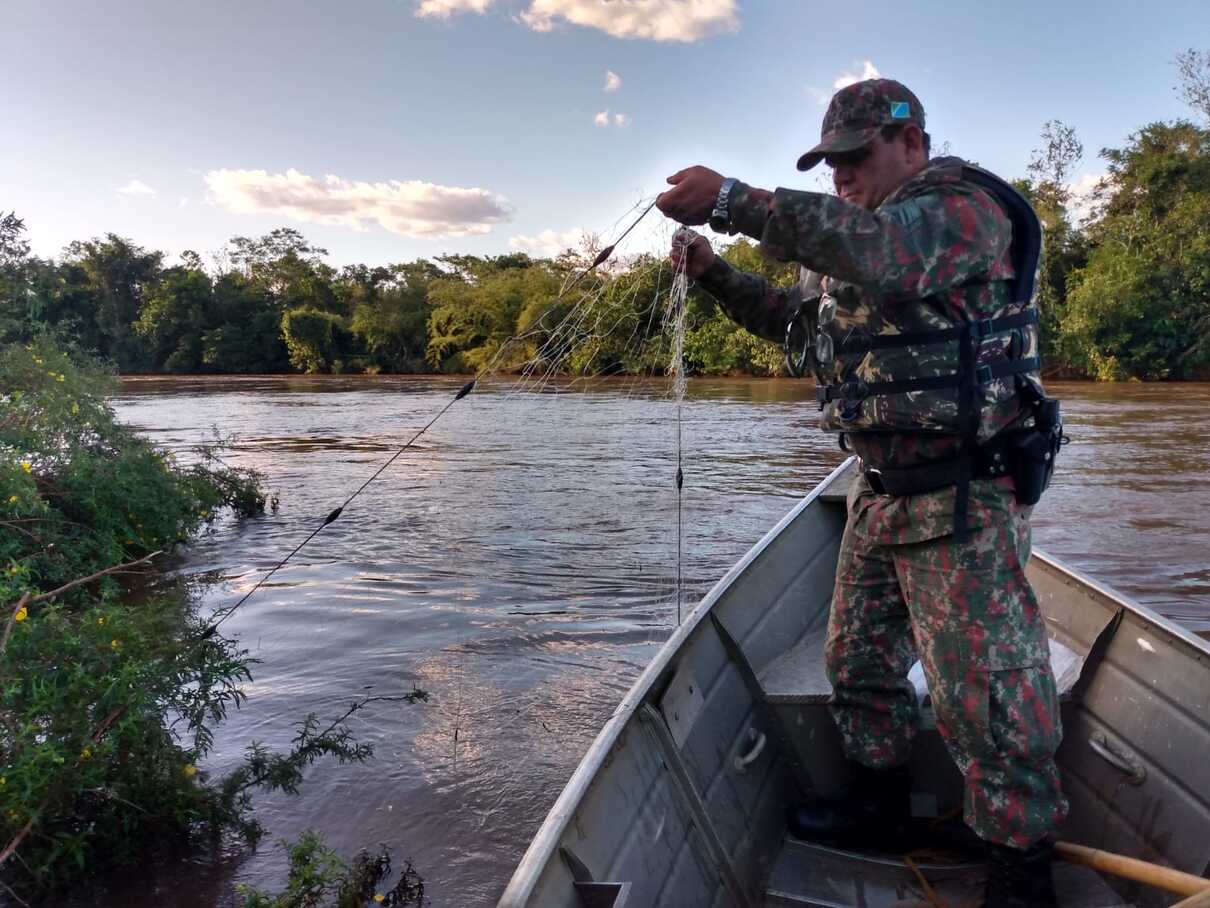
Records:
x=797, y=676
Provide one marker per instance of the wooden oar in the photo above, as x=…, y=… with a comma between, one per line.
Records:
x=1140, y=871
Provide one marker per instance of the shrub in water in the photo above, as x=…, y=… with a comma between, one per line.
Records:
x=107, y=699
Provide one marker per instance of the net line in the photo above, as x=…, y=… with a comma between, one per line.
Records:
x=637, y=307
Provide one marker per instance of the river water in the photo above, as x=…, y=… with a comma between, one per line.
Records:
x=520, y=564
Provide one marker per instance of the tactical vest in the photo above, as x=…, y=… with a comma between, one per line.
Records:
x=928, y=365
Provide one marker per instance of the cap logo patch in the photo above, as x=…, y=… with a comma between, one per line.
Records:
x=900, y=110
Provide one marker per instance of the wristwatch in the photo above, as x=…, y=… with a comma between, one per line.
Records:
x=720, y=217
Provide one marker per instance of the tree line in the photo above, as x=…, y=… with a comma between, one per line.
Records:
x=272, y=305
x=1124, y=289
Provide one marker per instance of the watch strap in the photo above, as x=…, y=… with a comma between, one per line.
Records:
x=720, y=217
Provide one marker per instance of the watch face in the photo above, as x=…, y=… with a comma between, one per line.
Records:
x=718, y=221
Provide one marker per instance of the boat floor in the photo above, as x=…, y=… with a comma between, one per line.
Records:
x=809, y=874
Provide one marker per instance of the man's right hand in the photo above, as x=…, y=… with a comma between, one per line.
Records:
x=693, y=250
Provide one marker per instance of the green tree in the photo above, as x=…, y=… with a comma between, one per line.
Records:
x=314, y=339
x=1140, y=308
x=18, y=305
x=1194, y=88
x=1064, y=248
x=617, y=327
x=392, y=329
x=102, y=286
x=714, y=344
x=246, y=333
x=174, y=317
x=288, y=268
x=477, y=309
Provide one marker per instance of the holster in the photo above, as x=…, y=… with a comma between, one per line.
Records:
x=1033, y=452
x=1027, y=455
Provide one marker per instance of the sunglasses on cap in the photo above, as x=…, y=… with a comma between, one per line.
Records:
x=847, y=158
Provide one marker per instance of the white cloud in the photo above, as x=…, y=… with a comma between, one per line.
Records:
x=655, y=20
x=136, y=188
x=443, y=9
x=183, y=202
x=549, y=243
x=868, y=71
x=409, y=208
x=605, y=118
x=612, y=80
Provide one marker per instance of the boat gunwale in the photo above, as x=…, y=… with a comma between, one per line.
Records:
x=1139, y=610
x=546, y=840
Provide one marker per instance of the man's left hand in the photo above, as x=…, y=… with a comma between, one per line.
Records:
x=692, y=196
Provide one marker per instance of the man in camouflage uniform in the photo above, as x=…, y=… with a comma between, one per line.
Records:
x=907, y=245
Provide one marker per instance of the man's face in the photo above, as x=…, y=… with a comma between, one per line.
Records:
x=868, y=176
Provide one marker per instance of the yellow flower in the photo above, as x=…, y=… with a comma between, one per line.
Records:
x=3, y=781
x=86, y=753
x=189, y=770
x=22, y=614
x=115, y=644
x=26, y=466
x=13, y=499
x=61, y=377
x=378, y=897
x=101, y=621
x=75, y=408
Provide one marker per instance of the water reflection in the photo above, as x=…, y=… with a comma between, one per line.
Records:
x=520, y=564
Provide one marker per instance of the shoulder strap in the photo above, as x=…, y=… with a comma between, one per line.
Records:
x=1027, y=229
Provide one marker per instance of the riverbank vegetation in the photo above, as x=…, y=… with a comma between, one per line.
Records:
x=1124, y=288
x=318, y=876
x=111, y=683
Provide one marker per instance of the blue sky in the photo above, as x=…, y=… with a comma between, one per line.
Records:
x=387, y=130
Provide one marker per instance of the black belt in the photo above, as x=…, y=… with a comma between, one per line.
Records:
x=991, y=461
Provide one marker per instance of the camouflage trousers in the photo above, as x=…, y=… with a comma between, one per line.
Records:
x=966, y=610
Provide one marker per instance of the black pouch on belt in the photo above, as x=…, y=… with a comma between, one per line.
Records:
x=1033, y=452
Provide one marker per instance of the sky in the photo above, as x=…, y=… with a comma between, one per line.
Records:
x=390, y=130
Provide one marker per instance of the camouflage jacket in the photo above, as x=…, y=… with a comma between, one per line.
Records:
x=934, y=253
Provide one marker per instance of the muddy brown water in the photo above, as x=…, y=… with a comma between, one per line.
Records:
x=520, y=565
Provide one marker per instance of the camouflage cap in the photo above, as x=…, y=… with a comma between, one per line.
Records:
x=858, y=112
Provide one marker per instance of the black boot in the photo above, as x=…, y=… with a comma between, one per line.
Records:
x=1020, y=879
x=871, y=811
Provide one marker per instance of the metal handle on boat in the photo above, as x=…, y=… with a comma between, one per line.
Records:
x=743, y=762
x=1101, y=747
